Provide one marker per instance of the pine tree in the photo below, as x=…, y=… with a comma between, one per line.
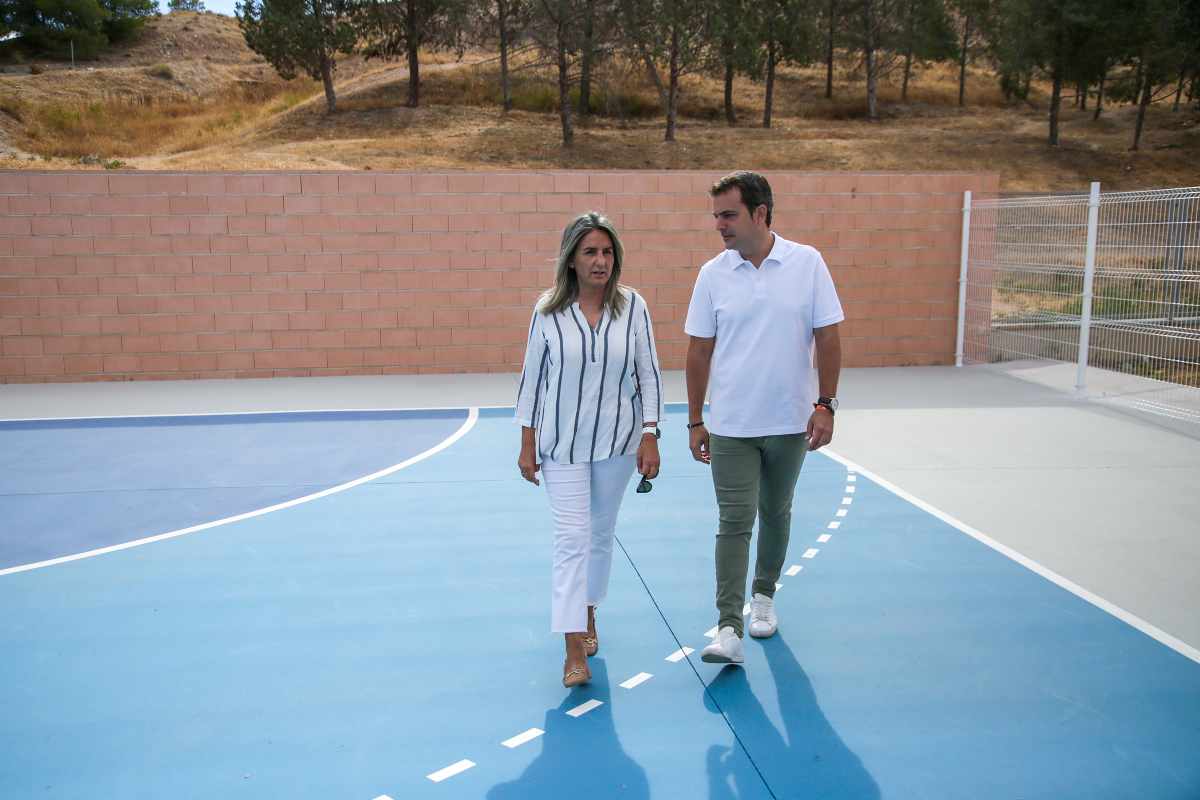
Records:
x=400, y=28
x=299, y=36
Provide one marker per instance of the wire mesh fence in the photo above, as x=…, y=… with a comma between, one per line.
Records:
x=1105, y=284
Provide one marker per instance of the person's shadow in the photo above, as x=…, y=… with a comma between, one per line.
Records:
x=810, y=761
x=581, y=757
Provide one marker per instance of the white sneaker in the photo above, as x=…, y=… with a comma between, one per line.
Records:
x=763, y=623
x=725, y=648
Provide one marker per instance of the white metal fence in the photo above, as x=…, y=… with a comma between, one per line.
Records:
x=1099, y=292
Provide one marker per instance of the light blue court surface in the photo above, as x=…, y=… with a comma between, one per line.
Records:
x=352, y=645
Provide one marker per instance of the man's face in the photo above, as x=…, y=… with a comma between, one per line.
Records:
x=739, y=230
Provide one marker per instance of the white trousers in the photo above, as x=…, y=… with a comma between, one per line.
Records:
x=584, y=500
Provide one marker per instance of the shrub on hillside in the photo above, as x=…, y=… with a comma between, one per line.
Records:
x=86, y=27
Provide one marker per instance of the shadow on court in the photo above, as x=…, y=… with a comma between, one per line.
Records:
x=806, y=759
x=580, y=758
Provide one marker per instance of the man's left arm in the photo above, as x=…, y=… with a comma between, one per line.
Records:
x=829, y=369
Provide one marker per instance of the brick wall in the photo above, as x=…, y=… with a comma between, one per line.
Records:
x=116, y=276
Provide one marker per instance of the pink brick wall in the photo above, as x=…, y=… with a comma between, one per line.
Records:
x=116, y=276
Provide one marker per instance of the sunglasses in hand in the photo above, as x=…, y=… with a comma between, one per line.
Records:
x=644, y=486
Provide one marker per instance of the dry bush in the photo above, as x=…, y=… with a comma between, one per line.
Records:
x=133, y=126
x=616, y=92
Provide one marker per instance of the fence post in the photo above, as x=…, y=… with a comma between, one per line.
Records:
x=962, y=279
x=1089, y=279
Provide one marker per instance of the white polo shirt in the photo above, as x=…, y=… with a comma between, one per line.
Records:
x=762, y=378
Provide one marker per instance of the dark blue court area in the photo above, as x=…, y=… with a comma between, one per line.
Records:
x=390, y=638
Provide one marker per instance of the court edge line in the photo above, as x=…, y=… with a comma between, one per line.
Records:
x=1159, y=635
x=247, y=413
x=468, y=424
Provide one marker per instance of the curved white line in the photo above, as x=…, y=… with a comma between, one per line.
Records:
x=1178, y=645
x=472, y=417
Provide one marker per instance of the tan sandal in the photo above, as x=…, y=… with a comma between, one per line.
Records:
x=591, y=640
x=575, y=676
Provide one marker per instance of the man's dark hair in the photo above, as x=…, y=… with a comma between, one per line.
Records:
x=754, y=189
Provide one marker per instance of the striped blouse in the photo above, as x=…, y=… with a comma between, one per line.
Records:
x=586, y=390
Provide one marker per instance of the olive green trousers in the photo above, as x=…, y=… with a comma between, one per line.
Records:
x=752, y=477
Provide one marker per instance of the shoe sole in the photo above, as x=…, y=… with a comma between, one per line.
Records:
x=713, y=658
x=764, y=635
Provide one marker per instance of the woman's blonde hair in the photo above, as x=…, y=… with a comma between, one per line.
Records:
x=566, y=283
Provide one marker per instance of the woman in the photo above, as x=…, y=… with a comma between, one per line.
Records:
x=589, y=405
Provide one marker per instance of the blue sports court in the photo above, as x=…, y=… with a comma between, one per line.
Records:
x=354, y=604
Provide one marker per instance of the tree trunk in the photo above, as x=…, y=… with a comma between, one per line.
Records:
x=730, y=114
x=770, y=98
x=829, y=52
x=414, y=64
x=327, y=79
x=673, y=93
x=962, y=62
x=1055, y=102
x=1179, y=88
x=564, y=80
x=1083, y=93
x=655, y=78
x=869, y=57
x=909, y=35
x=585, y=68
x=1100, y=95
x=1143, y=104
x=505, y=83
x=907, y=72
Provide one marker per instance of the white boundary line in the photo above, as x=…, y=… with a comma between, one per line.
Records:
x=468, y=424
x=1179, y=646
x=258, y=413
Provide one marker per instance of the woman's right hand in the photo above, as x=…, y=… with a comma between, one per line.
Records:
x=527, y=463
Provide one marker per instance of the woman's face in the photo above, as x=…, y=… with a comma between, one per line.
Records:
x=594, y=259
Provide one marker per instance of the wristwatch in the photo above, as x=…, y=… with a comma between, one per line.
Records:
x=657, y=433
x=828, y=403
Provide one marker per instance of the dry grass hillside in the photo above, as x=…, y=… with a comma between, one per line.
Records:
x=190, y=95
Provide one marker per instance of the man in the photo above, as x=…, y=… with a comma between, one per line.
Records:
x=756, y=311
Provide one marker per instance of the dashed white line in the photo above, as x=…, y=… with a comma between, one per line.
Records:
x=679, y=655
x=641, y=677
x=450, y=771
x=383, y=797
x=583, y=708
x=636, y=680
x=833, y=526
x=522, y=738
